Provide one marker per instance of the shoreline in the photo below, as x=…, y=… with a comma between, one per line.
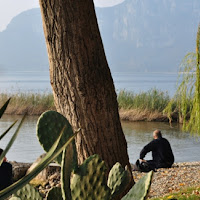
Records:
x=165, y=180
x=180, y=176
x=131, y=115
x=144, y=106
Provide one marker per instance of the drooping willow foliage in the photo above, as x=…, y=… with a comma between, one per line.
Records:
x=186, y=101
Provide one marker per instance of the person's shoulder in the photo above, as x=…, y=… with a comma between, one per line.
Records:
x=6, y=164
x=153, y=141
x=165, y=140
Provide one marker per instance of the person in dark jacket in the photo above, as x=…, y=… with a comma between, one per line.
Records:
x=161, y=152
x=5, y=173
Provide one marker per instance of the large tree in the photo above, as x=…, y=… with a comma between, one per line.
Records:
x=81, y=80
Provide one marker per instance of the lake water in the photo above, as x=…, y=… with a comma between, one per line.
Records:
x=26, y=147
x=39, y=81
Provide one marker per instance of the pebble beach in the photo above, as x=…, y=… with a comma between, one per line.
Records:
x=165, y=181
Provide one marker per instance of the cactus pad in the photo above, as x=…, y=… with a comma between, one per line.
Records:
x=28, y=192
x=14, y=198
x=118, y=179
x=49, y=126
x=54, y=194
x=140, y=190
x=89, y=182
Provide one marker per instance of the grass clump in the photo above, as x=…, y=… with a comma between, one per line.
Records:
x=192, y=193
x=30, y=103
x=152, y=100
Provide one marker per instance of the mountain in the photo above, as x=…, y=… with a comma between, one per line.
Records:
x=144, y=35
x=22, y=44
x=138, y=35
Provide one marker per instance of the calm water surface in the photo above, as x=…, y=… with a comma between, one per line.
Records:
x=26, y=147
x=137, y=82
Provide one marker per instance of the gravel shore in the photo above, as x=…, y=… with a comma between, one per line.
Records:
x=165, y=181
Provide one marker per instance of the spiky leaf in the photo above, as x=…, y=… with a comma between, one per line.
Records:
x=3, y=108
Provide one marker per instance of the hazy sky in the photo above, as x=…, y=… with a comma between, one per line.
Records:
x=11, y=8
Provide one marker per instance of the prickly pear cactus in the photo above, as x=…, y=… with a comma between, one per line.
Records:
x=140, y=190
x=28, y=192
x=54, y=194
x=89, y=182
x=118, y=179
x=14, y=198
x=49, y=126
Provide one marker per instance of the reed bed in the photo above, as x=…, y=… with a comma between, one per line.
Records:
x=145, y=106
x=152, y=100
x=30, y=103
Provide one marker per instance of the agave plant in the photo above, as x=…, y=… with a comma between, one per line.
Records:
x=2, y=111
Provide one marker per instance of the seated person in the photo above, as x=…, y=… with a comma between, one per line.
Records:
x=5, y=173
x=161, y=152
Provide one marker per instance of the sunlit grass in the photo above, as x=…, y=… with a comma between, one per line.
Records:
x=30, y=103
x=192, y=193
x=152, y=100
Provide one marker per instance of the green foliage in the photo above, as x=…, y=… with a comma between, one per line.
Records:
x=54, y=193
x=11, y=141
x=118, y=179
x=3, y=108
x=14, y=198
x=66, y=166
x=49, y=126
x=187, y=96
x=32, y=103
x=28, y=192
x=6, y=131
x=50, y=156
x=2, y=111
x=140, y=190
x=152, y=100
x=89, y=182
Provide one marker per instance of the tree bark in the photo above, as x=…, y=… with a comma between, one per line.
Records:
x=81, y=80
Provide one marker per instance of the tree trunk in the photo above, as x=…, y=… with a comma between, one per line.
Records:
x=81, y=80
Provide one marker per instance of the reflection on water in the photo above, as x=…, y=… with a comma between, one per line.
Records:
x=27, y=148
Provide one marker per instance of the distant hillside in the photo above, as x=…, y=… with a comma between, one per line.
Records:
x=138, y=35
x=149, y=35
x=22, y=44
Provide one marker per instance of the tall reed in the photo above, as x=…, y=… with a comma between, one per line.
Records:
x=152, y=100
x=30, y=103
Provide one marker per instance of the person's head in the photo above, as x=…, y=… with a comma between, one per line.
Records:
x=157, y=134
